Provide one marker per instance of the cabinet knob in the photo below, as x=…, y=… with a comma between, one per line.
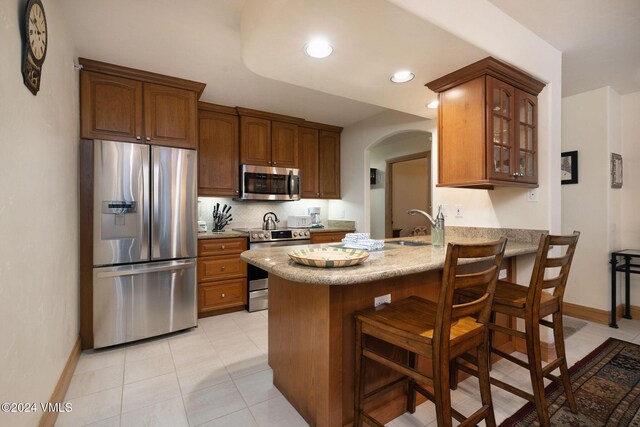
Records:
x=274, y=163
x=222, y=247
x=222, y=295
x=269, y=162
x=223, y=268
x=148, y=138
x=138, y=138
x=317, y=194
x=237, y=191
x=515, y=174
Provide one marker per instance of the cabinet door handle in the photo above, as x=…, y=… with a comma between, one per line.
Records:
x=148, y=138
x=222, y=295
x=223, y=268
x=222, y=247
x=138, y=137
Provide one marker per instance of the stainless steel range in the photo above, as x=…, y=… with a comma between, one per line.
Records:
x=258, y=279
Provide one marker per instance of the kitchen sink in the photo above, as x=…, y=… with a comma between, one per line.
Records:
x=408, y=243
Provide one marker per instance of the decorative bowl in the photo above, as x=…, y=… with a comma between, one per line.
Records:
x=328, y=257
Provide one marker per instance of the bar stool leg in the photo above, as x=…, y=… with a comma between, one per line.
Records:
x=558, y=336
x=484, y=356
x=441, y=391
x=535, y=369
x=411, y=391
x=359, y=372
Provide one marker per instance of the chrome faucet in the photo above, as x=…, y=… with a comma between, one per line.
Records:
x=423, y=213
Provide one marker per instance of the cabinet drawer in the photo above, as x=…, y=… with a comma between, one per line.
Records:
x=326, y=237
x=230, y=293
x=211, y=247
x=220, y=268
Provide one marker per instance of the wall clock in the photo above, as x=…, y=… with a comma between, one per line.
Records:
x=35, y=25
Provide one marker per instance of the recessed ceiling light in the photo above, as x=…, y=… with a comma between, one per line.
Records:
x=433, y=104
x=318, y=48
x=402, y=76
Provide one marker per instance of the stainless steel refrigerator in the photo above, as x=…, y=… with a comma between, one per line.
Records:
x=144, y=241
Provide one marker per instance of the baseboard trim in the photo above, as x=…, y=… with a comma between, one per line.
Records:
x=48, y=419
x=595, y=314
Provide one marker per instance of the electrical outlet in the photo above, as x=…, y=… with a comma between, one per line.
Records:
x=459, y=211
x=502, y=274
x=382, y=300
x=532, y=195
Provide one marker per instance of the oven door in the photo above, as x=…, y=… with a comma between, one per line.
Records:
x=258, y=278
x=269, y=183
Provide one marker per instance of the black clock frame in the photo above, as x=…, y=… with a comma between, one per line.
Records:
x=32, y=67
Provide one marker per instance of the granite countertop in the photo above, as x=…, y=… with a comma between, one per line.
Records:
x=392, y=262
x=231, y=233
x=222, y=235
x=330, y=229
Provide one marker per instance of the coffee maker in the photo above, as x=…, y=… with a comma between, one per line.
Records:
x=314, y=212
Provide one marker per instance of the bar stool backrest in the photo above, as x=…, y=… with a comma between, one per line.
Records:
x=455, y=276
x=544, y=262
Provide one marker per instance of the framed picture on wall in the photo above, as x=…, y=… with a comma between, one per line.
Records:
x=569, y=167
x=616, y=170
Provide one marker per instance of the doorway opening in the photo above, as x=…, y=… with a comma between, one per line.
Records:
x=403, y=161
x=408, y=187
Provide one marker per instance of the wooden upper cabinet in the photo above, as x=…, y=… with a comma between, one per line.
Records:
x=170, y=116
x=319, y=160
x=111, y=107
x=487, y=126
x=308, y=161
x=329, y=164
x=218, y=154
x=125, y=104
x=284, y=145
x=255, y=141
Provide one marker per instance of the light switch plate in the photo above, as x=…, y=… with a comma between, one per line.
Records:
x=532, y=195
x=459, y=211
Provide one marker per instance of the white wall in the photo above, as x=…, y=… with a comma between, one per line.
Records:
x=591, y=124
x=38, y=215
x=630, y=136
x=399, y=145
x=484, y=25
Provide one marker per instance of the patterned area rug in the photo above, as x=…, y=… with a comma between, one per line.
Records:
x=606, y=385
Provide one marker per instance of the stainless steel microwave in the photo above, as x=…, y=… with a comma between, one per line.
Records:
x=269, y=183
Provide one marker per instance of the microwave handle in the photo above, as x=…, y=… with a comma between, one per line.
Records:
x=294, y=183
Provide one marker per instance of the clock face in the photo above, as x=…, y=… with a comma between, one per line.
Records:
x=37, y=32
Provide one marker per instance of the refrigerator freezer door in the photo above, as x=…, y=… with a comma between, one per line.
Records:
x=120, y=203
x=173, y=219
x=138, y=301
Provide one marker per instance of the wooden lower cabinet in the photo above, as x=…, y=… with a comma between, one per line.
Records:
x=221, y=295
x=317, y=238
x=222, y=276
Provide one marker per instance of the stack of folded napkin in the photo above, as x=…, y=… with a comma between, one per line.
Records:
x=361, y=241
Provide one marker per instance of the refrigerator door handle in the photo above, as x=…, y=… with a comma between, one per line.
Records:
x=178, y=265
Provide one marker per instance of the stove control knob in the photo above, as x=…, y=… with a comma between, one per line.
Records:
x=306, y=233
x=254, y=236
x=295, y=234
x=262, y=236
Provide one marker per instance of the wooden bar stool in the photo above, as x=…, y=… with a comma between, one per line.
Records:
x=532, y=304
x=439, y=332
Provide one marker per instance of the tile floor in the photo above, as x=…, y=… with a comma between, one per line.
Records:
x=217, y=375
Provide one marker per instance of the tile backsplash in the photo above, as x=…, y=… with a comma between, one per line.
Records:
x=248, y=214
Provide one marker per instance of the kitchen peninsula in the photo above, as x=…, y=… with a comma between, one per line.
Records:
x=311, y=330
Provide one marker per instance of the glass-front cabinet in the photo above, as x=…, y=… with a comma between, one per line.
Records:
x=512, y=136
x=487, y=126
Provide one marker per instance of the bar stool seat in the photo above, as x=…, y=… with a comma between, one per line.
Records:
x=512, y=295
x=436, y=331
